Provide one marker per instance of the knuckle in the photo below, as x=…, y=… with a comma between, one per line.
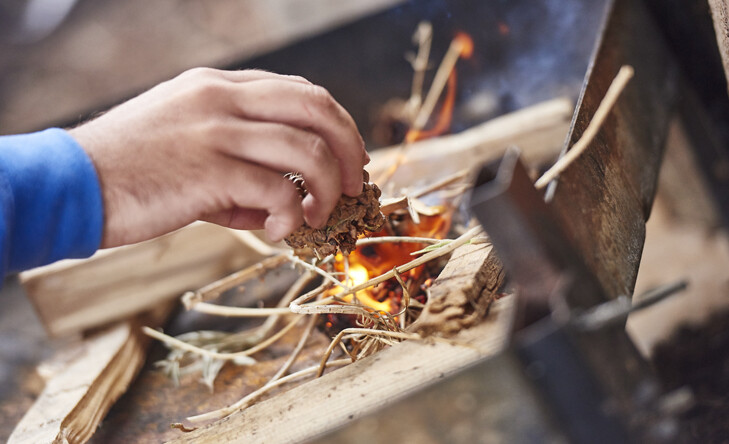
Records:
x=299, y=79
x=199, y=72
x=210, y=87
x=321, y=96
x=318, y=150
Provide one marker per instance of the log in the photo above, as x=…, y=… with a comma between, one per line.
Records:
x=77, y=397
x=74, y=295
x=463, y=292
x=539, y=131
x=363, y=387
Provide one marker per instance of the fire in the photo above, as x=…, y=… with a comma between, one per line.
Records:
x=375, y=259
x=443, y=123
x=461, y=46
x=466, y=43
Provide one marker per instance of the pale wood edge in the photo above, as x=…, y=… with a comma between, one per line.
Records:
x=327, y=403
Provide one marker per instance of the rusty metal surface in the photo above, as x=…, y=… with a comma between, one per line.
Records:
x=604, y=198
x=582, y=370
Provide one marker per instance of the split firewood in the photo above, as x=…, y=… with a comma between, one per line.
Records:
x=78, y=395
x=73, y=295
x=462, y=294
x=351, y=217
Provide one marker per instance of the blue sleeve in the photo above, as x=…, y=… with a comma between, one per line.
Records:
x=50, y=200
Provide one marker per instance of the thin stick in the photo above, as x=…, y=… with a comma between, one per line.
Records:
x=240, y=312
x=439, y=82
x=406, y=298
x=297, y=350
x=248, y=400
x=318, y=270
x=397, y=239
x=292, y=293
x=297, y=307
x=360, y=331
x=213, y=290
x=603, y=110
x=423, y=37
x=448, y=180
x=176, y=343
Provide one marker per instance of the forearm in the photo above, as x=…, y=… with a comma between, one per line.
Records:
x=50, y=200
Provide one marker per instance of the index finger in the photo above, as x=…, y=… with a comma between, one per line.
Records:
x=308, y=107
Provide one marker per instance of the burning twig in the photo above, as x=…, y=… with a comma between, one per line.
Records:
x=299, y=305
x=603, y=110
x=461, y=46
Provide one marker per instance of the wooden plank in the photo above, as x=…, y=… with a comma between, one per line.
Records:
x=74, y=295
x=76, y=399
x=463, y=292
x=358, y=389
x=720, y=16
x=604, y=198
x=539, y=131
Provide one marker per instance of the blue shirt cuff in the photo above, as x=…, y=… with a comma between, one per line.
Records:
x=50, y=198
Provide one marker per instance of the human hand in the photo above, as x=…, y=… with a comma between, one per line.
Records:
x=213, y=145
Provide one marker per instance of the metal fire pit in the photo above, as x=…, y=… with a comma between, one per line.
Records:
x=571, y=373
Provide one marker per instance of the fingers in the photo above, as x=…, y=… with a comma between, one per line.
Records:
x=238, y=218
x=244, y=75
x=308, y=107
x=250, y=191
x=284, y=148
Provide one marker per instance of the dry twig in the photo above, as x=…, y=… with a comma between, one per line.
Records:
x=603, y=110
x=250, y=398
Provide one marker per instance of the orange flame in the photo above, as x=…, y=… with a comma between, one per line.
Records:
x=466, y=43
x=375, y=259
x=445, y=116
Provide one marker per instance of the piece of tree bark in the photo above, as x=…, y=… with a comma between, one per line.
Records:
x=79, y=395
x=74, y=295
x=461, y=295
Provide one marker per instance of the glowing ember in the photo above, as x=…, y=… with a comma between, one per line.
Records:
x=375, y=259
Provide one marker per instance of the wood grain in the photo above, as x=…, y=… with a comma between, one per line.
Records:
x=331, y=401
x=98, y=372
x=74, y=295
x=463, y=292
